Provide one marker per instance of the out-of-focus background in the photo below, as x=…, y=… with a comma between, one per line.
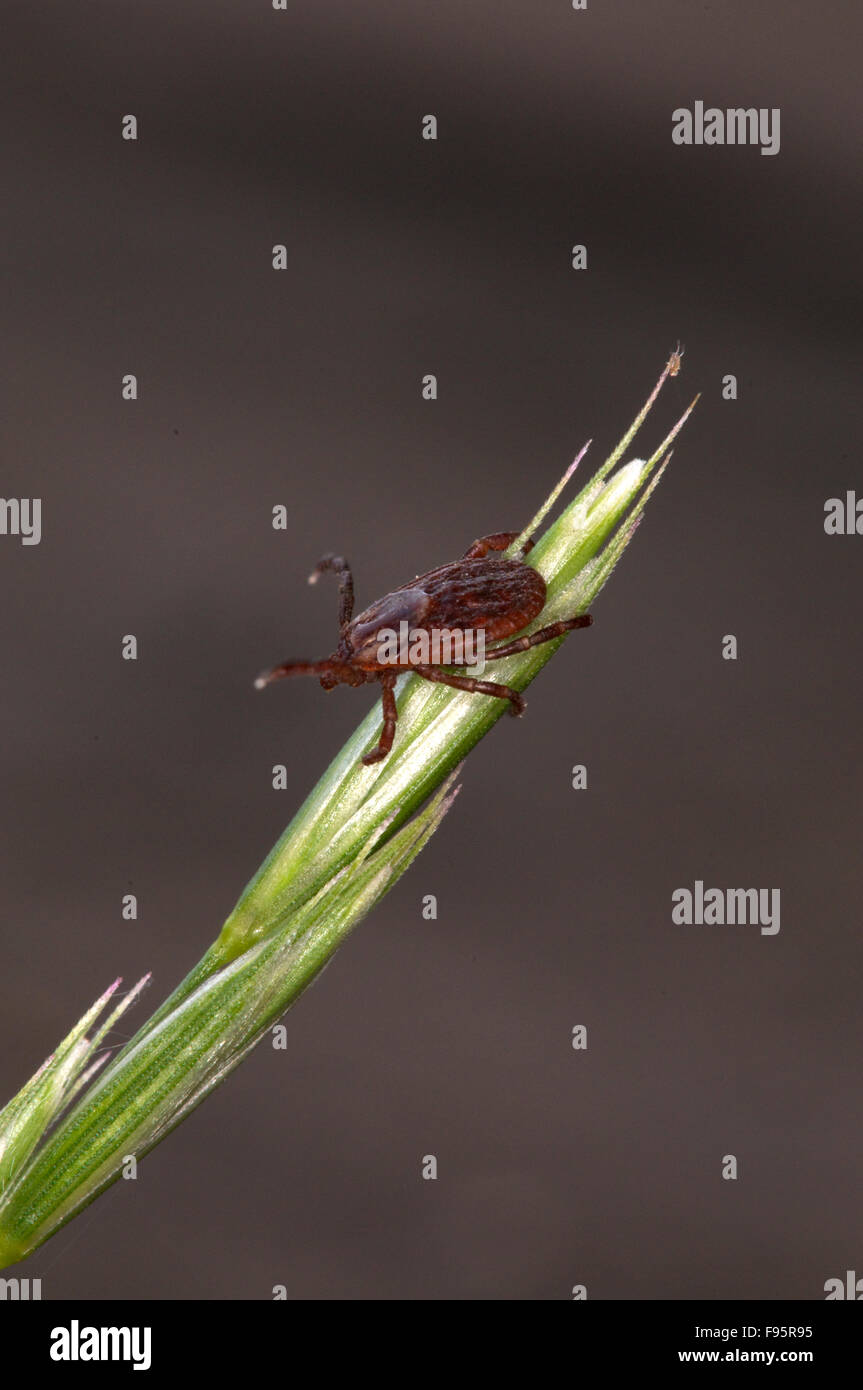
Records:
x=302, y=387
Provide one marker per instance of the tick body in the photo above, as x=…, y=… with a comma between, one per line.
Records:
x=484, y=593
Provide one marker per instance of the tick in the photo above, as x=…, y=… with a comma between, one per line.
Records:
x=485, y=592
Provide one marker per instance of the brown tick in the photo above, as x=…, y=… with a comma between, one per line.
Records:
x=485, y=593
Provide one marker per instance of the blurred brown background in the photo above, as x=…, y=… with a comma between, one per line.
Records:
x=407, y=257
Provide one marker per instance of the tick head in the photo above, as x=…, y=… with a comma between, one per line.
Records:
x=342, y=670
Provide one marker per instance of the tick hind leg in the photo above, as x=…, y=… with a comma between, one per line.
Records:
x=535, y=639
x=388, y=732
x=499, y=541
x=346, y=584
x=474, y=687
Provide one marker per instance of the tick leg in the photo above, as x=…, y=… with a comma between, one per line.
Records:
x=346, y=584
x=499, y=541
x=293, y=668
x=388, y=731
x=474, y=687
x=545, y=634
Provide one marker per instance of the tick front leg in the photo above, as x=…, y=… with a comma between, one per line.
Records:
x=346, y=584
x=499, y=541
x=474, y=687
x=535, y=639
x=388, y=731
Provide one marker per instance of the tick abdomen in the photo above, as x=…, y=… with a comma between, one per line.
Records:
x=501, y=596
